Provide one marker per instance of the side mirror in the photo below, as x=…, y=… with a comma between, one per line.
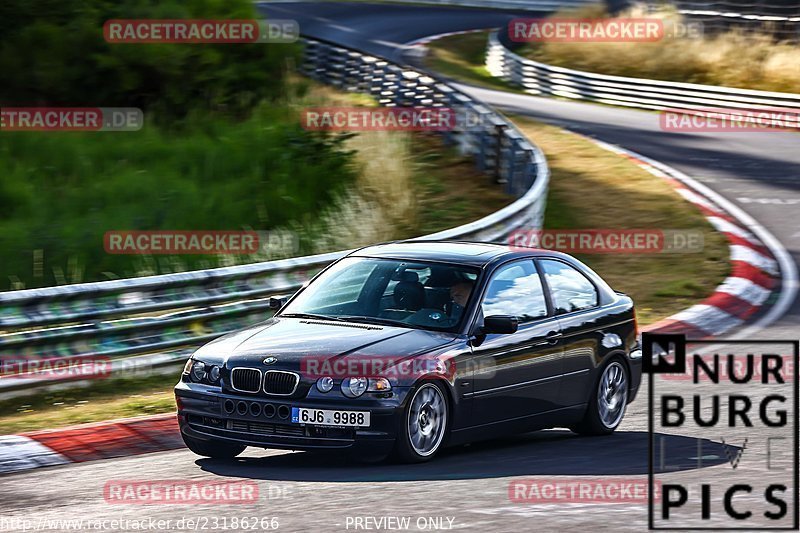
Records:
x=500, y=324
x=277, y=303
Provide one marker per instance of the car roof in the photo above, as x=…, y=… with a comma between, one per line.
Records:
x=477, y=254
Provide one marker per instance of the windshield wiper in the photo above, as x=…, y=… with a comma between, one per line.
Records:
x=374, y=320
x=311, y=316
x=352, y=318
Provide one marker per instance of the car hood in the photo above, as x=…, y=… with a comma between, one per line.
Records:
x=293, y=342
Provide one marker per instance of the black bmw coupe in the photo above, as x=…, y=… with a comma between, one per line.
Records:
x=409, y=347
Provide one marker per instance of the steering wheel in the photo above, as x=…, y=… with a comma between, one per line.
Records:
x=432, y=317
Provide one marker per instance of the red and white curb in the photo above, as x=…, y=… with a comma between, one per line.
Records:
x=89, y=442
x=758, y=265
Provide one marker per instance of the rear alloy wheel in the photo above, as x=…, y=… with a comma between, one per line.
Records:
x=607, y=404
x=424, y=424
x=212, y=448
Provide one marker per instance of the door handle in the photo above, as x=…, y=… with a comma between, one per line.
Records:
x=551, y=339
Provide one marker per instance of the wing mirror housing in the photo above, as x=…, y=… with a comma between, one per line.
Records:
x=500, y=324
x=277, y=303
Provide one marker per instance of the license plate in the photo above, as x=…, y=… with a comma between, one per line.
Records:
x=326, y=417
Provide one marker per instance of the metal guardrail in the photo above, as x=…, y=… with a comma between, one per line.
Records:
x=541, y=79
x=778, y=18
x=157, y=320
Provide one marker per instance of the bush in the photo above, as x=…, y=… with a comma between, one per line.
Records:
x=61, y=191
x=53, y=53
x=221, y=148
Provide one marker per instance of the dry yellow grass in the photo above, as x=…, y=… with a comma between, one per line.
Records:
x=735, y=59
x=381, y=206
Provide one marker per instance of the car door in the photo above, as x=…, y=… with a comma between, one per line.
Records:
x=576, y=303
x=516, y=375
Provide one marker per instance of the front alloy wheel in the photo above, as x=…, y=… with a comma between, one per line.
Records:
x=424, y=425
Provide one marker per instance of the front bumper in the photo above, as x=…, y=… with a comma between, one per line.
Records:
x=204, y=413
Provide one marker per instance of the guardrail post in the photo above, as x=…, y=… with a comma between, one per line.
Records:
x=499, y=135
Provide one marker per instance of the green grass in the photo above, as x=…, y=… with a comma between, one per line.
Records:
x=462, y=57
x=449, y=188
x=60, y=191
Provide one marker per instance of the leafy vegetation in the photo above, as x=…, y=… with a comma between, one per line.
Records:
x=221, y=149
x=61, y=191
x=54, y=53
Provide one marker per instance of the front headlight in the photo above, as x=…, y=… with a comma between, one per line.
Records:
x=198, y=371
x=354, y=387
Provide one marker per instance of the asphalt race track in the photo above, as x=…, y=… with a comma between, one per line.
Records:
x=465, y=488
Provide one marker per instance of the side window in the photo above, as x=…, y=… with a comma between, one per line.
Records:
x=515, y=289
x=570, y=290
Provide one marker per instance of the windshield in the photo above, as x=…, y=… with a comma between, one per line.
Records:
x=388, y=291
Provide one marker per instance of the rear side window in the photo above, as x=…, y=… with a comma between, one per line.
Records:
x=516, y=290
x=570, y=289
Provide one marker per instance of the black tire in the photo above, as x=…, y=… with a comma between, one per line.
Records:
x=406, y=451
x=595, y=422
x=212, y=448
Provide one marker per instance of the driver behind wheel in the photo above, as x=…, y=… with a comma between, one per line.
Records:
x=459, y=295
